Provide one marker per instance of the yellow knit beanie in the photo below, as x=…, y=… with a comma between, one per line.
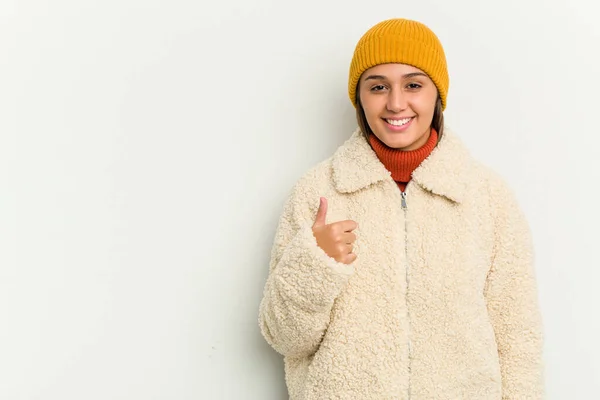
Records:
x=400, y=41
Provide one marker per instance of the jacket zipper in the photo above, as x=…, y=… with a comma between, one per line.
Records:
x=404, y=208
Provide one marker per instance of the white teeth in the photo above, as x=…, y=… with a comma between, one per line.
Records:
x=398, y=122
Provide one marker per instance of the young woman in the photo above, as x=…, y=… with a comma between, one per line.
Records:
x=402, y=267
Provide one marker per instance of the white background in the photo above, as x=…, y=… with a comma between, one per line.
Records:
x=146, y=149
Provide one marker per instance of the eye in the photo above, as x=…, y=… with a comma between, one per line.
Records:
x=377, y=88
x=413, y=86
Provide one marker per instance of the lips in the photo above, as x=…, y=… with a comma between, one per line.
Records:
x=398, y=124
x=398, y=121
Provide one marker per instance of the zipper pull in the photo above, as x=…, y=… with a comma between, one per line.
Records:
x=403, y=194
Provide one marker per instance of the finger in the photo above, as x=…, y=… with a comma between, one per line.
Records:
x=342, y=249
x=348, y=237
x=321, y=213
x=348, y=225
x=350, y=258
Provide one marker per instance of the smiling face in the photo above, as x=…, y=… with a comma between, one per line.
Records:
x=399, y=101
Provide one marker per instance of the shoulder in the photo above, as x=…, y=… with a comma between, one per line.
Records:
x=500, y=196
x=345, y=167
x=303, y=198
x=490, y=180
x=459, y=163
x=317, y=179
x=349, y=167
x=486, y=186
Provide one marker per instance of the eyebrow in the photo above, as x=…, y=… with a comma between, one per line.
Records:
x=382, y=77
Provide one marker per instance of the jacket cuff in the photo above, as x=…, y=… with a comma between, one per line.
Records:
x=308, y=276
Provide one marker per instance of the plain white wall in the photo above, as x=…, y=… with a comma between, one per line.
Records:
x=146, y=149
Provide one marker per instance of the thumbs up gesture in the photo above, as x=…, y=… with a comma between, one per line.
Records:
x=336, y=239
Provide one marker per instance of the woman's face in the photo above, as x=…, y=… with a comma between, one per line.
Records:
x=399, y=101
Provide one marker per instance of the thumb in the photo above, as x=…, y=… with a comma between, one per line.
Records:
x=321, y=213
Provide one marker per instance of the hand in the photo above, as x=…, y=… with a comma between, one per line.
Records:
x=336, y=239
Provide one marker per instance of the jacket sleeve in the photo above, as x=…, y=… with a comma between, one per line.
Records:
x=512, y=300
x=302, y=285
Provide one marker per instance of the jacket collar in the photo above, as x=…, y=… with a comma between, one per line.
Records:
x=446, y=172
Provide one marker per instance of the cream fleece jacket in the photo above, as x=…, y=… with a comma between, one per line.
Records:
x=441, y=302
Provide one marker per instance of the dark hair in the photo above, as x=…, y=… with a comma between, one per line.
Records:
x=437, y=122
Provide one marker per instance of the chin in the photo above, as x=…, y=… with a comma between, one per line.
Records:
x=396, y=141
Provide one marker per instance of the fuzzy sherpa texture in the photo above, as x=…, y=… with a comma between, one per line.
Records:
x=441, y=302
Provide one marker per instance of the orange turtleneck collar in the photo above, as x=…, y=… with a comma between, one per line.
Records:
x=402, y=163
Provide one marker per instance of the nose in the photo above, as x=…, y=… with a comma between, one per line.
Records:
x=396, y=101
